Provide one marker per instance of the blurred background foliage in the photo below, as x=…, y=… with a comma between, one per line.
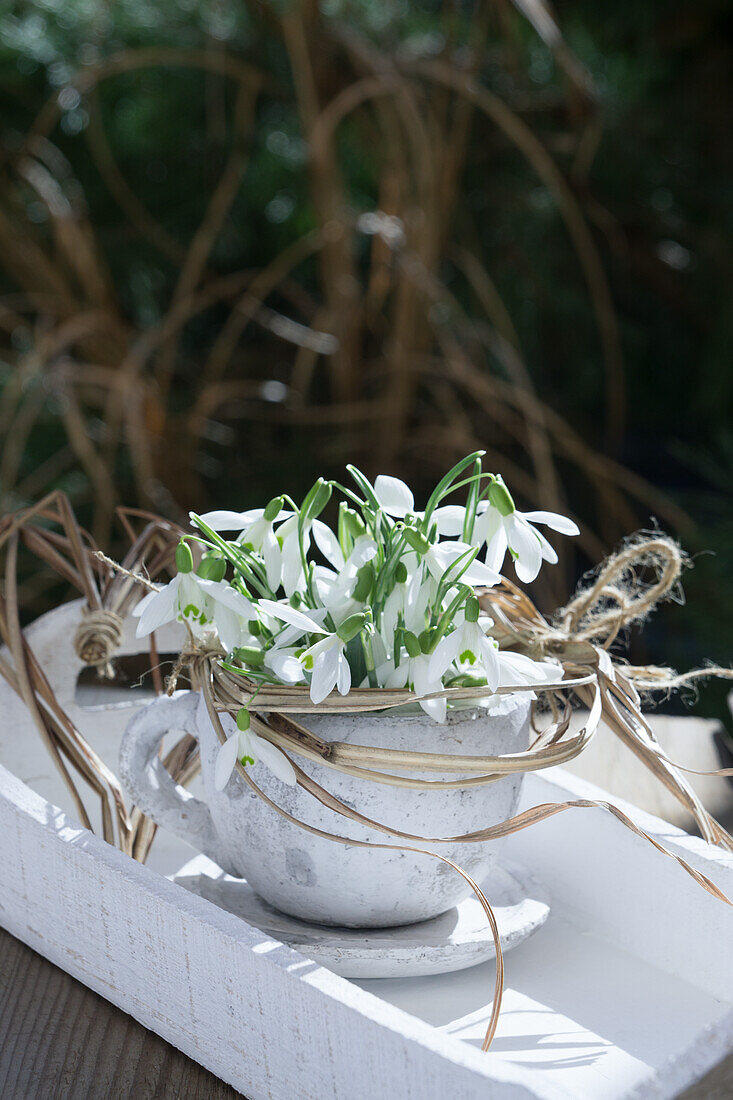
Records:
x=242, y=244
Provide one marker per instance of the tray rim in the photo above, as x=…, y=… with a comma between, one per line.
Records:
x=386, y=1034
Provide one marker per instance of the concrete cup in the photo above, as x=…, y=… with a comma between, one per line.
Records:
x=320, y=880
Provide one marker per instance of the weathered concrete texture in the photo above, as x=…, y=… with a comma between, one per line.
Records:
x=317, y=879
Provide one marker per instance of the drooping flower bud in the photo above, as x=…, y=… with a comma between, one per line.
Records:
x=472, y=610
x=417, y=541
x=249, y=655
x=350, y=627
x=184, y=558
x=351, y=525
x=273, y=509
x=500, y=497
x=317, y=499
x=212, y=568
x=364, y=581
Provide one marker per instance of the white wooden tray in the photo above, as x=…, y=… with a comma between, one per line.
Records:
x=626, y=992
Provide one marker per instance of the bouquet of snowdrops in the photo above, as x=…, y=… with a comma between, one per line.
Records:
x=385, y=600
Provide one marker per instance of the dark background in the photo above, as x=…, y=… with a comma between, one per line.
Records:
x=241, y=245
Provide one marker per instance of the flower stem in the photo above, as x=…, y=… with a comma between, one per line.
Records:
x=366, y=645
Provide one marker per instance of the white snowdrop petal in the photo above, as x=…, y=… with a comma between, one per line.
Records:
x=395, y=498
x=397, y=678
x=273, y=559
x=364, y=550
x=325, y=674
x=231, y=521
x=496, y=549
x=292, y=566
x=162, y=608
x=554, y=521
x=140, y=607
x=224, y=594
x=435, y=709
x=344, y=676
x=286, y=667
x=478, y=573
x=226, y=758
x=450, y=519
x=524, y=542
x=548, y=552
x=328, y=544
x=292, y=616
x=271, y=757
x=444, y=655
x=488, y=523
x=228, y=627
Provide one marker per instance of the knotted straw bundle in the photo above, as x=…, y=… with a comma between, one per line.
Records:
x=98, y=636
x=579, y=639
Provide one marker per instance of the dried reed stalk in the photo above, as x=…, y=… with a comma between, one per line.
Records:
x=109, y=596
x=371, y=344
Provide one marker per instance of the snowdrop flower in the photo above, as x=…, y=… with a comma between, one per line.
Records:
x=330, y=667
x=389, y=595
x=440, y=556
x=340, y=591
x=396, y=500
x=205, y=605
x=281, y=658
x=408, y=600
x=292, y=563
x=256, y=529
x=517, y=668
x=502, y=527
x=250, y=748
x=327, y=658
x=414, y=671
x=468, y=643
x=306, y=624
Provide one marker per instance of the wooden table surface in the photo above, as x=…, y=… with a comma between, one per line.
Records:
x=61, y=1041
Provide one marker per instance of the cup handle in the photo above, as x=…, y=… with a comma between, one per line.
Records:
x=149, y=782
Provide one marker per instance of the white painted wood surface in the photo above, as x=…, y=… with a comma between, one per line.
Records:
x=689, y=741
x=625, y=993
x=620, y=995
